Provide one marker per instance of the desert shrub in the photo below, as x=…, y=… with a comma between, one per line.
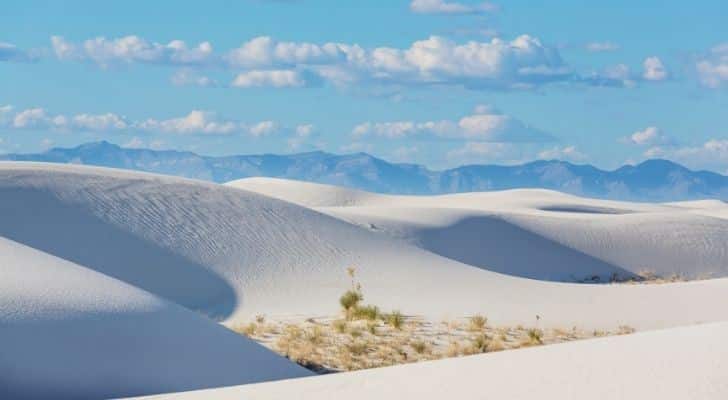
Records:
x=339, y=326
x=419, y=346
x=355, y=332
x=625, y=330
x=480, y=343
x=535, y=336
x=350, y=300
x=395, y=319
x=315, y=335
x=249, y=329
x=369, y=312
x=477, y=323
x=357, y=347
x=260, y=318
x=372, y=327
x=496, y=345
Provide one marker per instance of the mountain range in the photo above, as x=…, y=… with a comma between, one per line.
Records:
x=651, y=180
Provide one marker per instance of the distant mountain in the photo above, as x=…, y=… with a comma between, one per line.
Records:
x=652, y=180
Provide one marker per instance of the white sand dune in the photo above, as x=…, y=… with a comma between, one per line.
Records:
x=234, y=254
x=67, y=332
x=89, y=311
x=537, y=234
x=674, y=364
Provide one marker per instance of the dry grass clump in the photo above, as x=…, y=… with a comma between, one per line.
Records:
x=477, y=323
x=395, y=319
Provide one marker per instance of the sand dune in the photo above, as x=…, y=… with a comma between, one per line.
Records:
x=113, y=251
x=233, y=254
x=679, y=363
x=69, y=332
x=537, y=234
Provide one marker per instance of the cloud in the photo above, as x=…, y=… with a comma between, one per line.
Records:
x=187, y=77
x=197, y=122
x=449, y=7
x=270, y=78
x=11, y=53
x=712, y=69
x=599, y=47
x=712, y=154
x=567, y=153
x=480, y=152
x=654, y=69
x=132, y=49
x=484, y=125
x=302, y=134
x=649, y=136
x=521, y=63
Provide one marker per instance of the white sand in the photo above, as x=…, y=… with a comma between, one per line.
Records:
x=69, y=332
x=235, y=254
x=71, y=328
x=675, y=364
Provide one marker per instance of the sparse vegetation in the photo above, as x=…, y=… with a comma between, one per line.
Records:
x=477, y=323
x=368, y=338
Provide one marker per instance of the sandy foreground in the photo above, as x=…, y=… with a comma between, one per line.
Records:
x=115, y=283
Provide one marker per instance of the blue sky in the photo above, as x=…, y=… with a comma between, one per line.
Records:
x=437, y=82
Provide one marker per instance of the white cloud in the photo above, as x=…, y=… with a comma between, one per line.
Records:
x=196, y=122
x=523, y=62
x=480, y=152
x=187, y=77
x=567, y=153
x=11, y=53
x=649, y=136
x=449, y=7
x=598, y=47
x=654, y=69
x=713, y=154
x=712, y=69
x=132, y=49
x=271, y=78
x=302, y=134
x=263, y=128
x=484, y=125
x=46, y=143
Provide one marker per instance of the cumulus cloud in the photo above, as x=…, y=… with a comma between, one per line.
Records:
x=649, y=136
x=599, y=47
x=523, y=62
x=197, y=122
x=654, y=69
x=132, y=49
x=566, y=153
x=712, y=154
x=484, y=125
x=11, y=53
x=270, y=78
x=712, y=69
x=449, y=7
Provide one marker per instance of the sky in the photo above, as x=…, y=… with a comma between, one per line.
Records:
x=435, y=82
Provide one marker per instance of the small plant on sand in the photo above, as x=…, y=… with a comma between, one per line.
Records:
x=372, y=328
x=355, y=332
x=395, y=319
x=419, y=346
x=357, y=347
x=260, y=318
x=625, y=330
x=315, y=335
x=368, y=312
x=477, y=323
x=350, y=300
x=339, y=326
x=535, y=336
x=480, y=343
x=250, y=329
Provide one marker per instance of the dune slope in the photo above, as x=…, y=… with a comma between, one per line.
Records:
x=234, y=254
x=67, y=332
x=647, y=365
x=537, y=234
